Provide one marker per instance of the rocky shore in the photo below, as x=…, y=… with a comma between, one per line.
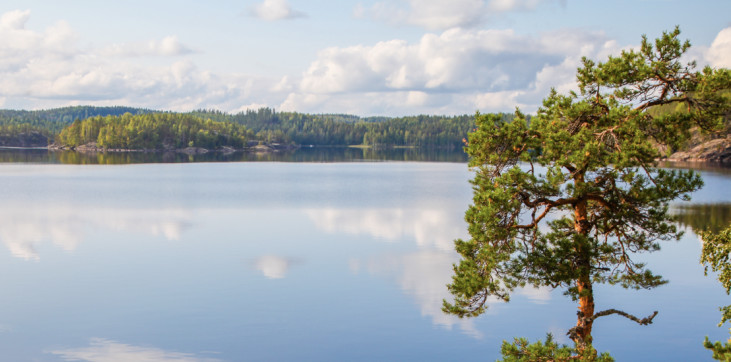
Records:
x=256, y=148
x=713, y=151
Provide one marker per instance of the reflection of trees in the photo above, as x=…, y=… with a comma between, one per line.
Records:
x=315, y=154
x=698, y=217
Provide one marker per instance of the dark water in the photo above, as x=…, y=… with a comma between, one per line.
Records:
x=293, y=261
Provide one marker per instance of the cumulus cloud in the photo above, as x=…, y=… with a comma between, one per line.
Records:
x=719, y=54
x=456, y=71
x=439, y=14
x=272, y=10
x=42, y=69
x=15, y=19
x=100, y=350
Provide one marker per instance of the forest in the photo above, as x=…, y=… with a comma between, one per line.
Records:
x=135, y=128
x=153, y=131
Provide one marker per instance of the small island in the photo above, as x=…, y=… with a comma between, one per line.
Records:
x=152, y=132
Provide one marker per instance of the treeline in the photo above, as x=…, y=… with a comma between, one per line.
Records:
x=153, y=131
x=56, y=119
x=38, y=128
x=21, y=128
x=19, y=134
x=424, y=131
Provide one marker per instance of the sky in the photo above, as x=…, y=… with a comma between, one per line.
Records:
x=361, y=57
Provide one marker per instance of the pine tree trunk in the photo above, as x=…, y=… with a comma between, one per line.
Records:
x=586, y=310
x=584, y=285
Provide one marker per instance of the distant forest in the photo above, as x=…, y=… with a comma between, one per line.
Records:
x=137, y=128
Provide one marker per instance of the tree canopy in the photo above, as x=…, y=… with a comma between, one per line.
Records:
x=153, y=131
x=568, y=199
x=716, y=254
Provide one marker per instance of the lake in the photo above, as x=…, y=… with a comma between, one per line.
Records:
x=292, y=261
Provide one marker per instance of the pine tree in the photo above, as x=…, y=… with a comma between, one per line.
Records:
x=567, y=199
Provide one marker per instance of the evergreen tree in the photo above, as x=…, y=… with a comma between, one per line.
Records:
x=567, y=199
x=716, y=253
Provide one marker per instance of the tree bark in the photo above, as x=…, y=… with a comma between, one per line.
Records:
x=584, y=321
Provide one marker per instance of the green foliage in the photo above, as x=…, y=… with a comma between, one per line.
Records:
x=54, y=120
x=22, y=134
x=721, y=351
x=343, y=130
x=715, y=254
x=153, y=131
x=522, y=351
x=269, y=126
x=567, y=199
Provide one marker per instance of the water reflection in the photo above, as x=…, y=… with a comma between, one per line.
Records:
x=423, y=276
x=699, y=217
x=103, y=350
x=272, y=266
x=428, y=227
x=315, y=154
x=23, y=229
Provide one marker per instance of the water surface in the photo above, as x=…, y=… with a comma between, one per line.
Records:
x=266, y=261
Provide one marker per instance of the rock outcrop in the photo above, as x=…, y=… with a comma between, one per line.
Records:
x=718, y=151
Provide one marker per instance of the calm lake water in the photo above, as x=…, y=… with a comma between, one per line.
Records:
x=292, y=261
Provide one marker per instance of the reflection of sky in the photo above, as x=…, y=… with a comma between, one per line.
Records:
x=428, y=227
x=272, y=266
x=23, y=229
x=242, y=230
x=423, y=274
x=104, y=350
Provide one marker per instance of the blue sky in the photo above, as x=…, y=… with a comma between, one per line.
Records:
x=360, y=57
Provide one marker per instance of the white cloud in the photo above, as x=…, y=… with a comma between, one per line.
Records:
x=540, y=295
x=719, y=54
x=104, y=350
x=457, y=71
x=440, y=15
x=501, y=6
x=42, y=69
x=168, y=46
x=272, y=10
x=15, y=19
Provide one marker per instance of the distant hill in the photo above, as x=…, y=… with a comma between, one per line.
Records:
x=265, y=125
x=64, y=116
x=21, y=128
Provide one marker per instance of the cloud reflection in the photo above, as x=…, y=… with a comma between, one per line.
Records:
x=424, y=274
x=429, y=228
x=104, y=350
x=272, y=266
x=537, y=295
x=23, y=229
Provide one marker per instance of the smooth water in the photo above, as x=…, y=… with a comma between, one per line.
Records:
x=270, y=261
